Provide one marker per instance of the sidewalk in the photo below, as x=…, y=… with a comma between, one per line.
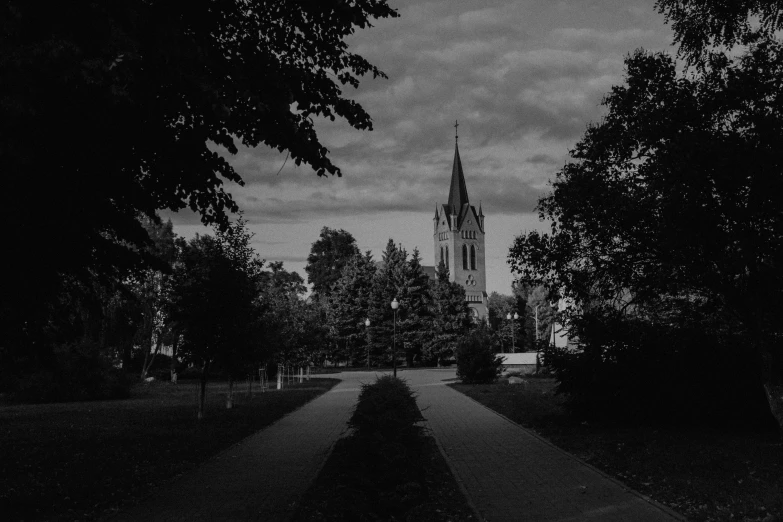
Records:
x=262, y=477
x=508, y=472
x=511, y=474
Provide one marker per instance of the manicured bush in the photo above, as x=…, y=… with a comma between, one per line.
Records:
x=476, y=359
x=386, y=410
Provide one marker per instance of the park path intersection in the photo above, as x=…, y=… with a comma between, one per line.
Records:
x=507, y=472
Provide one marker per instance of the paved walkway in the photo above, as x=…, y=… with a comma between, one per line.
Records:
x=507, y=472
x=511, y=474
x=262, y=477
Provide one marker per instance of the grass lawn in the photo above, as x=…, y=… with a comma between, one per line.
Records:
x=705, y=474
x=81, y=461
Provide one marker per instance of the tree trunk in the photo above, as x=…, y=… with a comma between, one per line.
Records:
x=230, y=398
x=202, y=396
x=173, y=368
x=146, y=367
x=773, y=385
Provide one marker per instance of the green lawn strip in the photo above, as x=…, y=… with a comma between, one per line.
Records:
x=387, y=469
x=703, y=473
x=353, y=487
x=81, y=461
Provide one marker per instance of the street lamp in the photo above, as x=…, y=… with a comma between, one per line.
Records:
x=513, y=344
x=395, y=305
x=367, y=324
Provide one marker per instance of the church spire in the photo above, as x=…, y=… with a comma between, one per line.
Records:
x=458, y=192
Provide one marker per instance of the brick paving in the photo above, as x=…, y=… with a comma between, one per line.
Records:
x=507, y=472
x=510, y=473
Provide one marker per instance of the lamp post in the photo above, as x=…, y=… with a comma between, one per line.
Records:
x=367, y=324
x=395, y=305
x=513, y=344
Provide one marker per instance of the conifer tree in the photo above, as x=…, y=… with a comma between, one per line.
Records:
x=386, y=287
x=449, y=318
x=348, y=308
x=414, y=302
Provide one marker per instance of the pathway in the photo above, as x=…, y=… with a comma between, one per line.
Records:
x=511, y=474
x=507, y=472
x=262, y=477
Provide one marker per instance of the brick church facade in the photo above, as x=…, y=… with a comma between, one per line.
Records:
x=459, y=241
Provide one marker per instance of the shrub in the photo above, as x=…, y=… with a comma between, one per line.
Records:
x=79, y=372
x=476, y=359
x=386, y=410
x=635, y=369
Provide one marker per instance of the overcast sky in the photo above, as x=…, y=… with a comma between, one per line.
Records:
x=524, y=78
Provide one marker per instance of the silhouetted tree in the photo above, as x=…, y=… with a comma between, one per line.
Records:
x=129, y=100
x=701, y=24
x=673, y=198
x=333, y=250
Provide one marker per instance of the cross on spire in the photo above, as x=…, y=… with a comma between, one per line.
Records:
x=456, y=124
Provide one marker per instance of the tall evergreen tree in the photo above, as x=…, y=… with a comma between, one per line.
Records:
x=414, y=303
x=348, y=308
x=387, y=285
x=449, y=318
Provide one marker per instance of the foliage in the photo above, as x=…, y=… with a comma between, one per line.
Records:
x=414, y=299
x=294, y=328
x=672, y=197
x=349, y=305
x=680, y=363
x=701, y=24
x=476, y=359
x=386, y=411
x=215, y=299
x=79, y=373
x=387, y=285
x=215, y=303
x=151, y=290
x=155, y=88
x=449, y=318
x=333, y=250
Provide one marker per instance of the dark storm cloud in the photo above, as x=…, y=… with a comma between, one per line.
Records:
x=524, y=79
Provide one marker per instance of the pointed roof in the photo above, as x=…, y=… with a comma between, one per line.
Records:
x=458, y=192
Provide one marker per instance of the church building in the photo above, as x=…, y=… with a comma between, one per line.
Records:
x=459, y=240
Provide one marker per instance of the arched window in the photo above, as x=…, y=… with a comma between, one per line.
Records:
x=441, y=255
x=447, y=256
x=472, y=257
x=464, y=257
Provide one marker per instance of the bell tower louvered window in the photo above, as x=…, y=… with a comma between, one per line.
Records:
x=472, y=257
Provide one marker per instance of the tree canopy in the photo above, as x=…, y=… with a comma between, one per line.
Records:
x=328, y=255
x=112, y=110
x=673, y=198
x=703, y=24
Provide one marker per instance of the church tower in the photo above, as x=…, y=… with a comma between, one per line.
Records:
x=459, y=240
